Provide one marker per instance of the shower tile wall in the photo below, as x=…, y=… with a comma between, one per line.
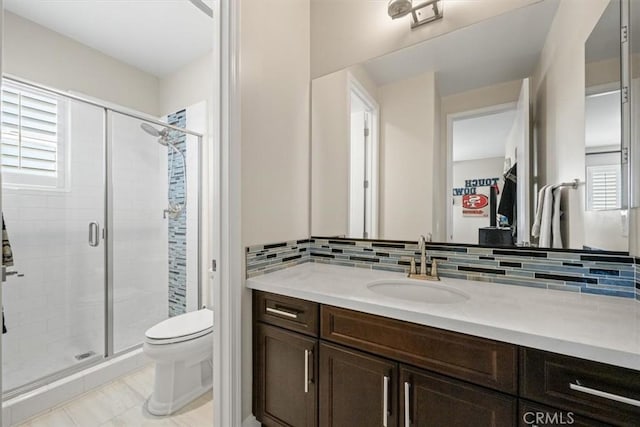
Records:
x=177, y=226
x=637, y=268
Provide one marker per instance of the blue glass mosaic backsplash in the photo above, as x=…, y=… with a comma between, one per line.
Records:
x=177, y=226
x=573, y=271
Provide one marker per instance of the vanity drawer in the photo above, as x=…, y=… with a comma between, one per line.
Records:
x=477, y=360
x=286, y=312
x=603, y=392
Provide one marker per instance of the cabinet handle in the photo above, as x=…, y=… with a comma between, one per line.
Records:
x=604, y=394
x=407, y=399
x=282, y=313
x=385, y=401
x=306, y=371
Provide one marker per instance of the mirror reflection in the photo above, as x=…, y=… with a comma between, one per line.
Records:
x=477, y=138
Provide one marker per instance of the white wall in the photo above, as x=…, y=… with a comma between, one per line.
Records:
x=559, y=94
x=36, y=53
x=275, y=87
x=465, y=229
x=347, y=32
x=330, y=136
x=407, y=132
x=275, y=120
x=189, y=85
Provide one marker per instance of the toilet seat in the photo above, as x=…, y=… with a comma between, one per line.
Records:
x=184, y=327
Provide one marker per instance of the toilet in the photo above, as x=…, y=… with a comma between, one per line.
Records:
x=182, y=349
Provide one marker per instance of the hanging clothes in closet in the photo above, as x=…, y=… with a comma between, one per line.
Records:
x=509, y=198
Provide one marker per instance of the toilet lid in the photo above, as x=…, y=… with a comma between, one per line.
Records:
x=182, y=326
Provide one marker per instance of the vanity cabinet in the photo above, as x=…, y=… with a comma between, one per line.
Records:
x=321, y=365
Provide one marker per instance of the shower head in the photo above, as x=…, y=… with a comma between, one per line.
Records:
x=399, y=8
x=160, y=134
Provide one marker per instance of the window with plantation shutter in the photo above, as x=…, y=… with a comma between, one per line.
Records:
x=603, y=184
x=32, y=144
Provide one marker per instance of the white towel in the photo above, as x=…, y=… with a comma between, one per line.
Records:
x=555, y=222
x=547, y=215
x=535, y=230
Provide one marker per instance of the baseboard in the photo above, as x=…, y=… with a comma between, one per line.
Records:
x=251, y=421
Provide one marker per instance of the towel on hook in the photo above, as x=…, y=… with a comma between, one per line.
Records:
x=547, y=216
x=556, y=234
x=546, y=226
x=535, y=230
x=7, y=259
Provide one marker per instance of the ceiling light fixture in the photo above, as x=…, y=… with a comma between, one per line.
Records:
x=423, y=13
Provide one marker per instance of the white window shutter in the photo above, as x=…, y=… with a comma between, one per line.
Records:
x=29, y=132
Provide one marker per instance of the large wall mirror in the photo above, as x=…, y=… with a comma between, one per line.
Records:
x=506, y=132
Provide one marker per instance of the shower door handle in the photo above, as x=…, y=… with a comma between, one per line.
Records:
x=94, y=237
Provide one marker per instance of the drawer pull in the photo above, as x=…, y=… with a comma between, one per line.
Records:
x=407, y=400
x=282, y=313
x=604, y=394
x=385, y=401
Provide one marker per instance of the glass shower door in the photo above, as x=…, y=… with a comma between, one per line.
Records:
x=154, y=244
x=53, y=166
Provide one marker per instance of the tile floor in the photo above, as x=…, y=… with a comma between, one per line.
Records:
x=120, y=404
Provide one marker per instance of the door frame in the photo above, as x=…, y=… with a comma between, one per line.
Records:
x=354, y=87
x=468, y=114
x=227, y=293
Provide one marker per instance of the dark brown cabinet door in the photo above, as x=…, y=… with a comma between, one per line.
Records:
x=356, y=389
x=286, y=378
x=435, y=401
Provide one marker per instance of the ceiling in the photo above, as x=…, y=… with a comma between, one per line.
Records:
x=604, y=41
x=482, y=137
x=499, y=49
x=156, y=36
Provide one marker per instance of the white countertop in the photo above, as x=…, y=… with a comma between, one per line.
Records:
x=603, y=329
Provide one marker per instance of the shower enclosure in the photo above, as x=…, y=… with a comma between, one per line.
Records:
x=103, y=228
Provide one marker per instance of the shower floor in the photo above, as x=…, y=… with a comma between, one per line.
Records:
x=40, y=363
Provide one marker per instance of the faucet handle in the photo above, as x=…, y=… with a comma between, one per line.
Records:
x=434, y=268
x=412, y=267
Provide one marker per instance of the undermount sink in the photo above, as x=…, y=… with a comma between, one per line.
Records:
x=417, y=291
